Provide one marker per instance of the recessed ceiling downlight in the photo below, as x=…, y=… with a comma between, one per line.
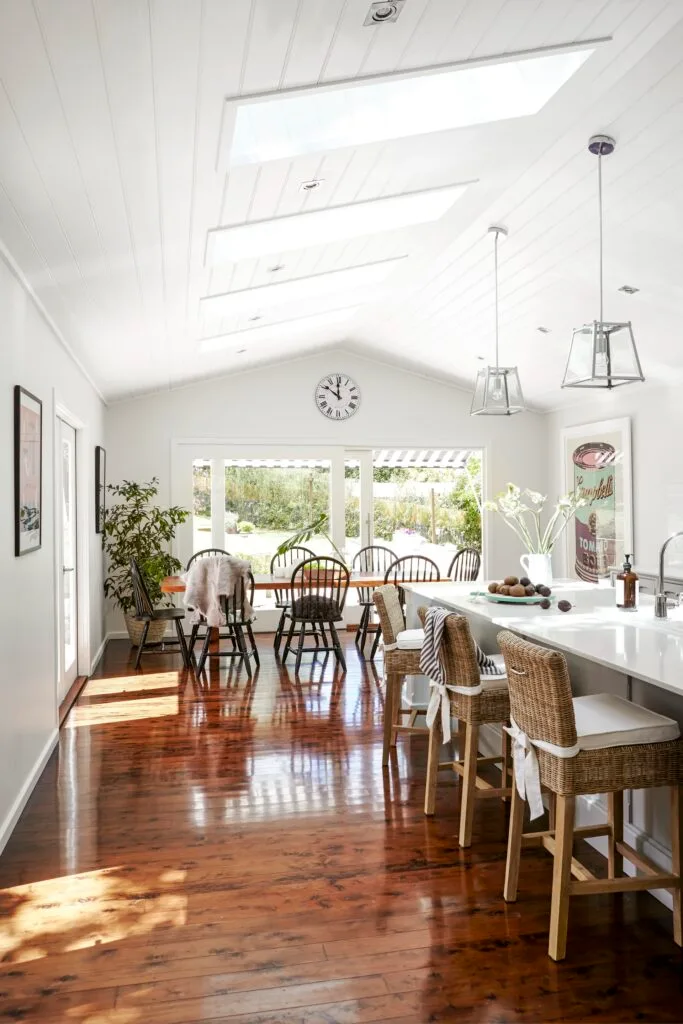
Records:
x=383, y=12
x=629, y=289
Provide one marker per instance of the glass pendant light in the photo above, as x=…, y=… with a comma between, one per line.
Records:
x=603, y=354
x=497, y=391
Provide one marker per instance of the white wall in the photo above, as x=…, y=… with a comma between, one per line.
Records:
x=274, y=405
x=33, y=356
x=657, y=458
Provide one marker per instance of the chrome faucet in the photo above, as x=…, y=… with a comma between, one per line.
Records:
x=660, y=593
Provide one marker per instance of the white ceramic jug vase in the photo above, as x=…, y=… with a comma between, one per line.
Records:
x=539, y=568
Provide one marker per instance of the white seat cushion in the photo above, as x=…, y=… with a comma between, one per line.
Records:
x=603, y=720
x=500, y=680
x=410, y=639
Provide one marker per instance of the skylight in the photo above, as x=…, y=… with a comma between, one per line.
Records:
x=246, y=241
x=251, y=301
x=398, y=106
x=300, y=325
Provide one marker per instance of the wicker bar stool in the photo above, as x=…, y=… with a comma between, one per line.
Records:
x=402, y=649
x=593, y=744
x=488, y=703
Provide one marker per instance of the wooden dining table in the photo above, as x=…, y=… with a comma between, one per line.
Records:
x=266, y=581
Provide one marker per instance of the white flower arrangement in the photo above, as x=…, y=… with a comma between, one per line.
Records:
x=525, y=519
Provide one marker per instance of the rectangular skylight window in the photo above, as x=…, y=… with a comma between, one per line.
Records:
x=286, y=125
x=300, y=325
x=281, y=234
x=252, y=301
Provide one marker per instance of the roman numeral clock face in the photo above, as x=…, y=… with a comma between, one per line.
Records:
x=337, y=396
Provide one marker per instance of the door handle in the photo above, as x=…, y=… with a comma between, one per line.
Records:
x=66, y=568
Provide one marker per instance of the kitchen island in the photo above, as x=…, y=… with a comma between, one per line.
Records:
x=628, y=653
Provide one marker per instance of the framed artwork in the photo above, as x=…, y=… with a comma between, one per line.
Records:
x=28, y=471
x=596, y=460
x=100, y=487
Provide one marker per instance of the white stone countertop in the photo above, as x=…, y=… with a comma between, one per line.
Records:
x=631, y=642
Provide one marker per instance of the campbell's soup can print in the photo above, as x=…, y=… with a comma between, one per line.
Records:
x=594, y=479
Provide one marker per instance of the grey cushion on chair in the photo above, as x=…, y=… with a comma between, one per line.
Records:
x=316, y=608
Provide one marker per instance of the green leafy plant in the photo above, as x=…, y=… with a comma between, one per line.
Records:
x=318, y=528
x=244, y=526
x=136, y=528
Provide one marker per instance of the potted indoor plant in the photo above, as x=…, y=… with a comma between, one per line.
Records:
x=136, y=528
x=522, y=511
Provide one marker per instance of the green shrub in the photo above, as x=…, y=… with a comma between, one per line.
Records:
x=244, y=526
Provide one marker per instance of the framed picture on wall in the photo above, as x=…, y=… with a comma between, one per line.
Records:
x=28, y=471
x=100, y=487
x=596, y=460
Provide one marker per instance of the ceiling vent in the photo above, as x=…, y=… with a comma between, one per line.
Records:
x=629, y=289
x=380, y=13
x=311, y=186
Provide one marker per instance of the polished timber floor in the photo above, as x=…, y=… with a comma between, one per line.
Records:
x=232, y=851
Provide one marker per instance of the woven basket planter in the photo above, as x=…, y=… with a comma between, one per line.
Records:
x=155, y=633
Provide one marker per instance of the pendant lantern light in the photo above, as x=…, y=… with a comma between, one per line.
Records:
x=497, y=391
x=603, y=354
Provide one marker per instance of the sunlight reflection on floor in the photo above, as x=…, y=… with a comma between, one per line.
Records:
x=78, y=911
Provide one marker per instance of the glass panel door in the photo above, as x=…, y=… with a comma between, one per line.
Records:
x=68, y=569
x=427, y=502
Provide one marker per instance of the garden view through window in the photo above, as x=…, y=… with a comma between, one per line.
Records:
x=415, y=502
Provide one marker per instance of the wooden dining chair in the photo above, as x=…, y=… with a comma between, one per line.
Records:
x=194, y=633
x=146, y=613
x=288, y=559
x=319, y=589
x=373, y=560
x=206, y=553
x=413, y=568
x=465, y=565
x=237, y=609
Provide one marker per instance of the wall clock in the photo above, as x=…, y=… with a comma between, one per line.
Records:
x=337, y=396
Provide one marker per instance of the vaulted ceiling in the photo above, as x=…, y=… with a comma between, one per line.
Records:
x=116, y=118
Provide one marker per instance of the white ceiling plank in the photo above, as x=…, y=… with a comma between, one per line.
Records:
x=313, y=39
x=469, y=30
x=390, y=41
x=39, y=119
x=175, y=52
x=437, y=23
x=273, y=29
x=351, y=43
x=509, y=24
x=124, y=29
x=73, y=56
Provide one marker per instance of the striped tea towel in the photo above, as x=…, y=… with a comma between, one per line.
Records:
x=431, y=664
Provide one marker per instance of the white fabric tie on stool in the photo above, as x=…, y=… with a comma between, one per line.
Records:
x=527, y=775
x=432, y=666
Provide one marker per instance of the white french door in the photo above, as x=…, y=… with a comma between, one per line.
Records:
x=67, y=563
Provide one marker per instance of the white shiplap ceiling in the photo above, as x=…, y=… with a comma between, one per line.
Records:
x=112, y=173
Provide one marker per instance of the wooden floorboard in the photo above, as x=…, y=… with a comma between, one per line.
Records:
x=226, y=850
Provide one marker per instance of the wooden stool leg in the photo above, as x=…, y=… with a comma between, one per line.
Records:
x=551, y=811
x=396, y=708
x=507, y=759
x=514, y=846
x=615, y=817
x=435, y=741
x=469, y=783
x=389, y=698
x=562, y=867
x=676, y=851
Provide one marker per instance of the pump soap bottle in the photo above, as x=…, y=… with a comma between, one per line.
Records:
x=627, y=587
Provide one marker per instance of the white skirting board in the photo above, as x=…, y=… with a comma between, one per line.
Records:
x=591, y=810
x=98, y=654
x=17, y=807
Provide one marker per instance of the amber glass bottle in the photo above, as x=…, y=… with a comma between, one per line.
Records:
x=627, y=587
